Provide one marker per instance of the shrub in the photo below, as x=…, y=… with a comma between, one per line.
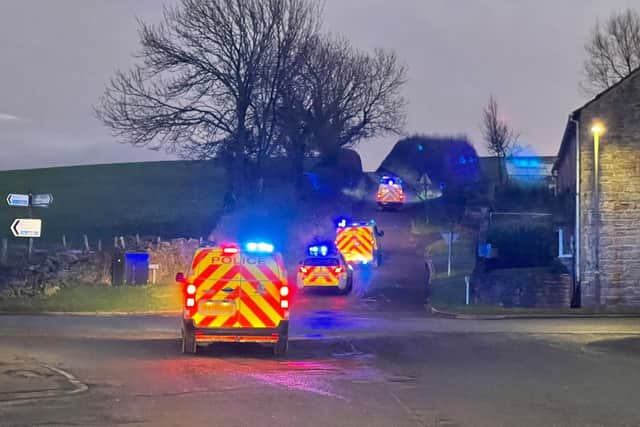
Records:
x=523, y=245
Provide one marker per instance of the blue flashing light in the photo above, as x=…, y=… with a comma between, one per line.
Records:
x=259, y=247
x=420, y=147
x=316, y=250
x=319, y=250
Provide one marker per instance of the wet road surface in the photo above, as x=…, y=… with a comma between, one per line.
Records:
x=373, y=358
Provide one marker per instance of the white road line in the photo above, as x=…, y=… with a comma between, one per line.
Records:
x=36, y=396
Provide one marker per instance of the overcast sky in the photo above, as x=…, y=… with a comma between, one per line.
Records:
x=56, y=55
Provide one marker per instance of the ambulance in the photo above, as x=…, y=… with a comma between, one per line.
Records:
x=359, y=242
x=390, y=192
x=324, y=267
x=235, y=293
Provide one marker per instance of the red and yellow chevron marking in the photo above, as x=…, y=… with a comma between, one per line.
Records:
x=320, y=276
x=250, y=284
x=356, y=243
x=390, y=193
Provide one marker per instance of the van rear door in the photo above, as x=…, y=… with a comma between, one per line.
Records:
x=219, y=287
x=263, y=276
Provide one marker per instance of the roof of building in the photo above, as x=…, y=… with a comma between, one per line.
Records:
x=569, y=131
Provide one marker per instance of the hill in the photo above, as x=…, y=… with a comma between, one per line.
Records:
x=171, y=198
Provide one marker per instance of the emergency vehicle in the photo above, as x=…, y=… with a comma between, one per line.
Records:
x=235, y=294
x=359, y=242
x=324, y=267
x=390, y=192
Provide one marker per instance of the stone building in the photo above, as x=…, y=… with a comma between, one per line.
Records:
x=600, y=188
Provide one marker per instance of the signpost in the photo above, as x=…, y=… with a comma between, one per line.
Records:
x=26, y=227
x=425, y=181
x=21, y=200
x=41, y=200
x=449, y=237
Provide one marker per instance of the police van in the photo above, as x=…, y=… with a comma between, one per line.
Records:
x=324, y=267
x=359, y=242
x=235, y=293
x=390, y=192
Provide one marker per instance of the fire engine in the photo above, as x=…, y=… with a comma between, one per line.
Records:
x=235, y=293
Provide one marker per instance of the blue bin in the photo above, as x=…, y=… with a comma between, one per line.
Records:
x=136, y=268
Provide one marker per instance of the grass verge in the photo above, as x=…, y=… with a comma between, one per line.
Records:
x=87, y=298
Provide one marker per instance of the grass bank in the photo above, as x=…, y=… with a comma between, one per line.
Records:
x=87, y=298
x=170, y=199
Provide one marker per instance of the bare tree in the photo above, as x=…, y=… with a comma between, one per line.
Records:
x=343, y=95
x=613, y=51
x=210, y=78
x=499, y=138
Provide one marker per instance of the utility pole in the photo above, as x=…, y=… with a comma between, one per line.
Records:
x=30, y=213
x=449, y=256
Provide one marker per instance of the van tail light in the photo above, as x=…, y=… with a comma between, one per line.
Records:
x=402, y=197
x=284, y=300
x=303, y=269
x=338, y=269
x=190, y=298
x=379, y=196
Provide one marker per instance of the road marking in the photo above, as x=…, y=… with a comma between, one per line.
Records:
x=408, y=410
x=36, y=396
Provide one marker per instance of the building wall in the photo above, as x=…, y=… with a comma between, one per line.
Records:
x=566, y=178
x=619, y=231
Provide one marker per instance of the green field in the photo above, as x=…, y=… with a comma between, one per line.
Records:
x=168, y=199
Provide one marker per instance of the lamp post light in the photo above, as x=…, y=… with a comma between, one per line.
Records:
x=597, y=130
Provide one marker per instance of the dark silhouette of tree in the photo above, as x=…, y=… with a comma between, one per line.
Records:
x=342, y=96
x=245, y=80
x=613, y=51
x=499, y=138
x=210, y=78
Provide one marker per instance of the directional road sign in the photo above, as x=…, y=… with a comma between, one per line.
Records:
x=42, y=200
x=26, y=227
x=445, y=236
x=18, y=200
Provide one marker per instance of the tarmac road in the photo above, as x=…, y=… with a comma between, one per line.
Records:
x=356, y=369
x=373, y=358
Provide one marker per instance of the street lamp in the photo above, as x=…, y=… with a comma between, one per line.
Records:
x=597, y=130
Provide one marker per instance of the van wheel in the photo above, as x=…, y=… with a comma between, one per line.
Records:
x=189, y=344
x=281, y=347
x=347, y=290
x=377, y=260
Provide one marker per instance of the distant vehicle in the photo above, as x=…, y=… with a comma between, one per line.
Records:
x=359, y=242
x=325, y=267
x=390, y=192
x=235, y=294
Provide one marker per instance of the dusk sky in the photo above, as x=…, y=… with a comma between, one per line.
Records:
x=57, y=55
